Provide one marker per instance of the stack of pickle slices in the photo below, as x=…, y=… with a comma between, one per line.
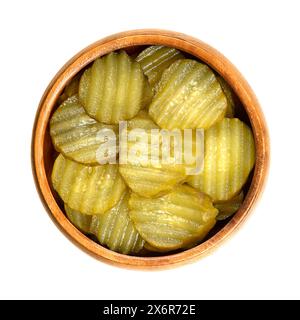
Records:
x=138, y=207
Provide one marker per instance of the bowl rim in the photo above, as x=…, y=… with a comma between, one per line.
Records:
x=189, y=45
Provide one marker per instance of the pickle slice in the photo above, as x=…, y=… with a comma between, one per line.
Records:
x=142, y=121
x=71, y=89
x=174, y=220
x=229, y=96
x=155, y=59
x=81, y=221
x=229, y=158
x=229, y=207
x=79, y=136
x=84, y=85
x=145, y=176
x=114, y=88
x=88, y=189
x=188, y=96
x=115, y=229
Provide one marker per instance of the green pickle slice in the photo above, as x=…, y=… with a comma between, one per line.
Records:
x=155, y=59
x=146, y=177
x=230, y=112
x=81, y=221
x=188, y=96
x=229, y=158
x=174, y=220
x=116, y=230
x=88, y=189
x=229, y=207
x=79, y=136
x=71, y=89
x=114, y=88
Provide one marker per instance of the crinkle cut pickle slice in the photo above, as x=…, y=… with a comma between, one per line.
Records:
x=188, y=96
x=78, y=136
x=173, y=220
x=154, y=60
x=229, y=158
x=88, y=189
x=114, y=88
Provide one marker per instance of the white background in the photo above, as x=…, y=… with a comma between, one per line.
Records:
x=261, y=38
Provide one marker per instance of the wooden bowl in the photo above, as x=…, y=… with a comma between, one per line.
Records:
x=43, y=153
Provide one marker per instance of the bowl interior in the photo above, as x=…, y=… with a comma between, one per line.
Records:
x=50, y=154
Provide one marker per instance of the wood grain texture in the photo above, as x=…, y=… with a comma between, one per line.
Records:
x=43, y=154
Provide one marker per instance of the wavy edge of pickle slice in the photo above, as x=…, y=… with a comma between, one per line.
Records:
x=71, y=88
x=229, y=207
x=83, y=222
x=141, y=121
x=230, y=96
